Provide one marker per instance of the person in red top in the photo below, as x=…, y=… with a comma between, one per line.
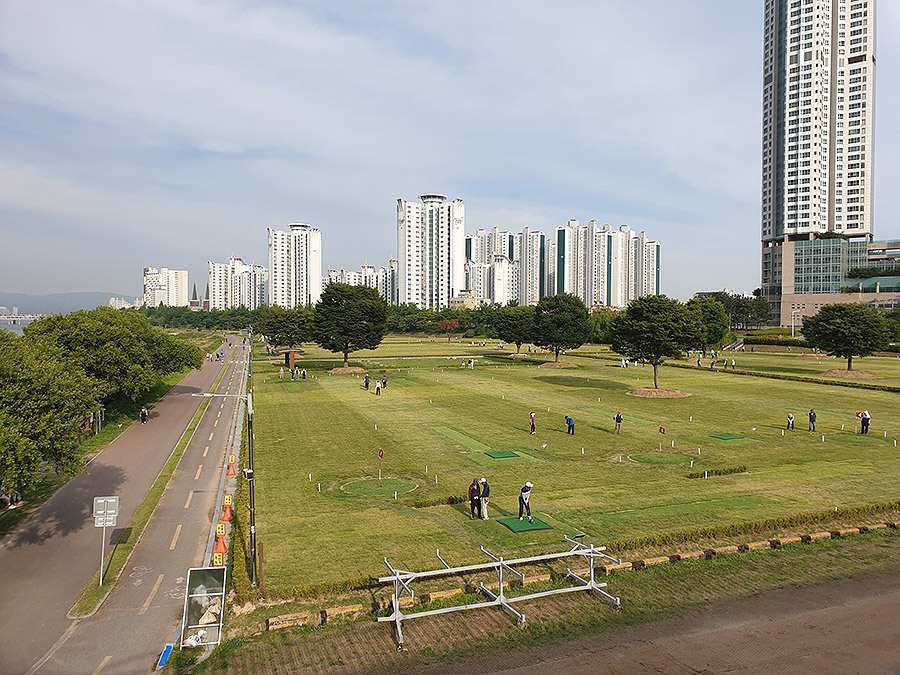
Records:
x=531, y=420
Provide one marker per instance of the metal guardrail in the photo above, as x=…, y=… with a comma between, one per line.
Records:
x=504, y=569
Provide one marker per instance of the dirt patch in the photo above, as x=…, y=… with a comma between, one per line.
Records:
x=650, y=392
x=518, y=356
x=815, y=356
x=852, y=374
x=561, y=364
x=347, y=371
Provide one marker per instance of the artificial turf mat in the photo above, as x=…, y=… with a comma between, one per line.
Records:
x=501, y=454
x=466, y=441
x=516, y=525
x=725, y=437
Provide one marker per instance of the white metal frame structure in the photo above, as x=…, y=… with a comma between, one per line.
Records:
x=503, y=568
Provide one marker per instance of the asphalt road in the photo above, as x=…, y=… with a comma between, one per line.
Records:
x=46, y=562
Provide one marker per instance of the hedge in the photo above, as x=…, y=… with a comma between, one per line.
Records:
x=773, y=340
x=718, y=472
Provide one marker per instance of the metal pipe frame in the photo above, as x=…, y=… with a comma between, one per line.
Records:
x=503, y=569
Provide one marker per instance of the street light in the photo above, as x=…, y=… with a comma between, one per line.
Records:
x=248, y=473
x=794, y=311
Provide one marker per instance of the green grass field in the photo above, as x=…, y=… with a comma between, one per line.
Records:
x=436, y=421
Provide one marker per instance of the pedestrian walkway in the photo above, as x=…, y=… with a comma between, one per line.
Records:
x=47, y=561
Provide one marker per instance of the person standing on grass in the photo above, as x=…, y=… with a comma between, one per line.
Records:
x=732, y=365
x=866, y=418
x=303, y=373
x=812, y=420
x=377, y=388
x=366, y=382
x=570, y=425
x=143, y=414
x=619, y=419
x=485, y=498
x=531, y=420
x=790, y=424
x=281, y=373
x=384, y=382
x=475, y=499
x=524, y=496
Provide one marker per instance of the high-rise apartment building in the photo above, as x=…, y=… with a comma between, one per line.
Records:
x=430, y=250
x=165, y=287
x=817, y=142
x=295, y=266
x=237, y=284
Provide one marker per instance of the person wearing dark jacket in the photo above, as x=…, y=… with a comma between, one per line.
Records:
x=812, y=420
x=524, y=506
x=475, y=498
x=485, y=498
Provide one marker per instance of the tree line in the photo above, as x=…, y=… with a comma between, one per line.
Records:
x=61, y=370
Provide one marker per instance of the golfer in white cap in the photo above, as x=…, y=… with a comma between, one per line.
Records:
x=485, y=497
x=524, y=506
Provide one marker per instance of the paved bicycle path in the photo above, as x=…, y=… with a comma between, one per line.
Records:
x=141, y=614
x=46, y=562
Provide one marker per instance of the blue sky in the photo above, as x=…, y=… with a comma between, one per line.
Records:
x=171, y=132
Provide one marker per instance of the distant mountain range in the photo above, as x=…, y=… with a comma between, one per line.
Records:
x=57, y=303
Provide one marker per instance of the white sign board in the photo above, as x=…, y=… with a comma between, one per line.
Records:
x=105, y=511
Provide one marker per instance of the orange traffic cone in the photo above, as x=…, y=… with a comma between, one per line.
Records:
x=230, y=471
x=220, y=546
x=227, y=517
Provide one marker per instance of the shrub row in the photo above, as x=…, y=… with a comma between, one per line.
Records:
x=751, y=527
x=774, y=340
x=718, y=472
x=438, y=501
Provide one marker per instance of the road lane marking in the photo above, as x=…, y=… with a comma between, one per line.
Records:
x=102, y=665
x=205, y=451
x=159, y=579
x=211, y=436
x=220, y=414
x=190, y=497
x=223, y=404
x=199, y=469
x=216, y=423
x=175, y=538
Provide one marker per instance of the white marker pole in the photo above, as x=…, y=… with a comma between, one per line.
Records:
x=582, y=451
x=692, y=464
x=620, y=456
x=426, y=468
x=823, y=438
x=395, y=495
x=698, y=451
x=435, y=479
x=320, y=487
x=705, y=475
x=310, y=478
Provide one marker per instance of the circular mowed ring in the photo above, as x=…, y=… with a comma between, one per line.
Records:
x=369, y=487
x=659, y=458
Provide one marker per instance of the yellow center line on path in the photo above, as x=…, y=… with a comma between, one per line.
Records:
x=146, y=605
x=199, y=469
x=223, y=404
x=212, y=433
x=190, y=497
x=175, y=538
x=216, y=423
x=205, y=451
x=220, y=414
x=102, y=665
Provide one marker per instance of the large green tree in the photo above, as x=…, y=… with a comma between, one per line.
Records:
x=44, y=399
x=560, y=322
x=515, y=324
x=120, y=349
x=285, y=327
x=654, y=328
x=349, y=318
x=847, y=330
x=714, y=322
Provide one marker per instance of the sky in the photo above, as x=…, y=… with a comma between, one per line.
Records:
x=169, y=133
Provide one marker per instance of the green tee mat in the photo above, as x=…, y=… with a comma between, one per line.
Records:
x=516, y=525
x=725, y=437
x=466, y=441
x=501, y=454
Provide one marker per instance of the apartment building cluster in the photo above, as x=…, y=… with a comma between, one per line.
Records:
x=437, y=266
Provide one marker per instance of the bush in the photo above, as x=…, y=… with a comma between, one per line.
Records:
x=718, y=472
x=771, y=340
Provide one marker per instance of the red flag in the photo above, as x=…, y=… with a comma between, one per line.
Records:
x=380, y=453
x=662, y=430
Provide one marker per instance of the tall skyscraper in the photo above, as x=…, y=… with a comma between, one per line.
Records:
x=817, y=142
x=295, y=266
x=237, y=284
x=165, y=287
x=430, y=250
